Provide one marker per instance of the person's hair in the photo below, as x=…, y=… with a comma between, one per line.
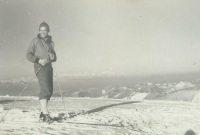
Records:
x=44, y=24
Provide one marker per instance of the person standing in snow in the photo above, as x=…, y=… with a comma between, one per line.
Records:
x=41, y=53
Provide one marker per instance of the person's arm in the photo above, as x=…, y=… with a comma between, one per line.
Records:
x=55, y=57
x=31, y=53
x=52, y=56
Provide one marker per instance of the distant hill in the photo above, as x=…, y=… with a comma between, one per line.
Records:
x=181, y=95
x=100, y=87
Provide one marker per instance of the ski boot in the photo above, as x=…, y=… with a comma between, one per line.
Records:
x=41, y=118
x=47, y=118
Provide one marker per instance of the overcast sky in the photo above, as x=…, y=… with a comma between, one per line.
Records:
x=138, y=37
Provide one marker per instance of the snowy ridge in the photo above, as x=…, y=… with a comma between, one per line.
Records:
x=18, y=80
x=86, y=74
x=71, y=88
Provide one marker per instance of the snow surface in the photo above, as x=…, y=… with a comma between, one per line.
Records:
x=104, y=117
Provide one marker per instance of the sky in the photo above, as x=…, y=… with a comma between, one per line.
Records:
x=131, y=37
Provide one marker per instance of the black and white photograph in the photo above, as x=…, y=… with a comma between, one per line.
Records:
x=107, y=67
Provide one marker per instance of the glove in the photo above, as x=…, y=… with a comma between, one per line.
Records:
x=43, y=62
x=51, y=56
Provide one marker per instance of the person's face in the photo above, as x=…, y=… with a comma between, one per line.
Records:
x=43, y=32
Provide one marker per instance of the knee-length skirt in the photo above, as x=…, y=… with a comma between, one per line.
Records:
x=45, y=79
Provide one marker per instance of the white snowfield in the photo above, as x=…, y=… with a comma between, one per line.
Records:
x=102, y=117
x=182, y=85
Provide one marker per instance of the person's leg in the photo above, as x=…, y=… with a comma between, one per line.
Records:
x=47, y=106
x=43, y=104
x=45, y=117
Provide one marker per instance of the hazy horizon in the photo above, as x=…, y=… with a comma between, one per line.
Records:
x=122, y=80
x=122, y=36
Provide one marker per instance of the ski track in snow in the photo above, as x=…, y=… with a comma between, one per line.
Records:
x=145, y=118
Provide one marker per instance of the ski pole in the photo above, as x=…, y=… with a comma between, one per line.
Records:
x=60, y=91
x=20, y=94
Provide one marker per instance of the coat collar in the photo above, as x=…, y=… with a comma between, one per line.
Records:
x=47, y=39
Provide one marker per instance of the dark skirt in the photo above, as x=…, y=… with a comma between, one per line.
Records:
x=45, y=79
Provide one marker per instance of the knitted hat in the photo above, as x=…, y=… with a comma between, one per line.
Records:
x=43, y=24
